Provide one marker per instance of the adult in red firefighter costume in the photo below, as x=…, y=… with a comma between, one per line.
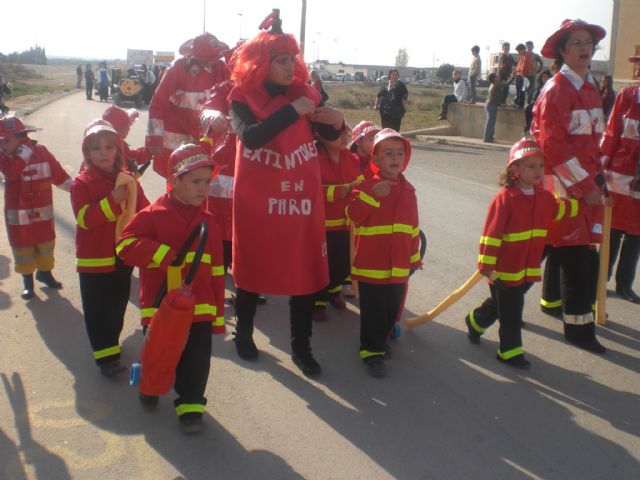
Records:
x=384, y=211
x=151, y=241
x=175, y=107
x=105, y=282
x=278, y=212
x=621, y=147
x=29, y=170
x=568, y=123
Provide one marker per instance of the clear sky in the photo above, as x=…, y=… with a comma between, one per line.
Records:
x=362, y=32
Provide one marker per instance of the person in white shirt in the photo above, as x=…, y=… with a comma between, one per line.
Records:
x=459, y=94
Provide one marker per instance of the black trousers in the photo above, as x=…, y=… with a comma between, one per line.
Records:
x=388, y=121
x=300, y=318
x=629, y=254
x=192, y=371
x=576, y=278
x=506, y=305
x=339, y=262
x=89, y=90
x=104, y=301
x=551, y=296
x=444, y=107
x=380, y=308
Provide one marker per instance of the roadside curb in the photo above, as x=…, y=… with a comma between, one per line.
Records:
x=28, y=110
x=463, y=142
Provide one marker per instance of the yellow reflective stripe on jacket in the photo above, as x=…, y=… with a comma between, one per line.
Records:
x=368, y=199
x=80, y=217
x=200, y=309
x=106, y=209
x=574, y=207
x=335, y=223
x=124, y=243
x=389, y=229
x=514, y=277
x=561, y=210
x=161, y=252
x=106, y=352
x=415, y=257
x=95, y=262
x=526, y=235
x=493, y=242
x=380, y=274
x=487, y=259
x=206, y=258
x=331, y=190
x=218, y=322
x=510, y=353
x=189, y=408
x=217, y=271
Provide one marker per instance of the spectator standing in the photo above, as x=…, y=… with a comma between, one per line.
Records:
x=459, y=94
x=79, y=74
x=391, y=101
x=528, y=111
x=316, y=82
x=474, y=72
x=522, y=69
x=103, y=81
x=89, y=78
x=535, y=67
x=505, y=69
x=491, y=106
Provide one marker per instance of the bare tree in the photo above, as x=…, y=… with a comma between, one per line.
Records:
x=402, y=58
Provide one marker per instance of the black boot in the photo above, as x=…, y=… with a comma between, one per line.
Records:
x=27, y=281
x=304, y=360
x=587, y=339
x=571, y=333
x=48, y=280
x=245, y=306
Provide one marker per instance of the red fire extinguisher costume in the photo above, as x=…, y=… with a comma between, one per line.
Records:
x=621, y=147
x=175, y=107
x=568, y=122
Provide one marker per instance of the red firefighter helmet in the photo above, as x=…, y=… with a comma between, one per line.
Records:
x=386, y=134
x=120, y=119
x=524, y=148
x=362, y=129
x=187, y=157
x=12, y=125
x=204, y=47
x=567, y=26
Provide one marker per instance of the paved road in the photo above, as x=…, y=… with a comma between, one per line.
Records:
x=447, y=410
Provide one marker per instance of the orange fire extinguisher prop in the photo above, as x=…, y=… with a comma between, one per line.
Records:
x=170, y=324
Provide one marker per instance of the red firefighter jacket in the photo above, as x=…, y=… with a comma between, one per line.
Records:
x=335, y=175
x=568, y=123
x=515, y=232
x=175, y=107
x=388, y=243
x=223, y=153
x=96, y=212
x=621, y=143
x=279, y=240
x=28, y=199
x=152, y=239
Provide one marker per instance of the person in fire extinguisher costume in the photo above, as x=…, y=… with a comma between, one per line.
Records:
x=175, y=107
x=279, y=242
x=621, y=149
x=568, y=122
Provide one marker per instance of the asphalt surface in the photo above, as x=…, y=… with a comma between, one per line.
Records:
x=447, y=410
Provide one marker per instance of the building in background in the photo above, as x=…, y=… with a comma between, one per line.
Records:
x=625, y=38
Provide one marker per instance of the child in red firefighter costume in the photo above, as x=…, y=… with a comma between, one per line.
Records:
x=151, y=241
x=279, y=244
x=361, y=142
x=384, y=210
x=29, y=170
x=340, y=172
x=104, y=280
x=175, y=107
x=568, y=123
x=511, y=246
x=621, y=147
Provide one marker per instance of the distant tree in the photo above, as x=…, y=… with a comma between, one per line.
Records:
x=402, y=58
x=34, y=56
x=444, y=72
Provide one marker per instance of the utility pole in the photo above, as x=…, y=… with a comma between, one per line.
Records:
x=302, y=25
x=204, y=16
